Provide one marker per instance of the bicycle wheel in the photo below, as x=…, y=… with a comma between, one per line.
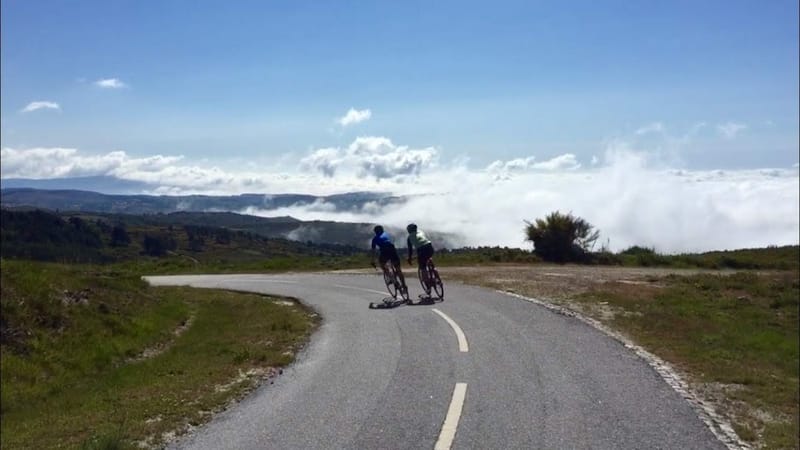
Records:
x=436, y=281
x=403, y=291
x=391, y=284
x=421, y=276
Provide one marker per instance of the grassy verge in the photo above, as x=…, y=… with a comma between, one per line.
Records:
x=770, y=258
x=94, y=358
x=183, y=264
x=735, y=334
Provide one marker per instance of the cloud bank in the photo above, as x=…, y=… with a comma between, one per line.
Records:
x=628, y=194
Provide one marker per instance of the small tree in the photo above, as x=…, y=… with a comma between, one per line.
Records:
x=561, y=237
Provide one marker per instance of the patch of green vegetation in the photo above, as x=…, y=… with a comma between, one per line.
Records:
x=176, y=243
x=85, y=238
x=93, y=357
x=770, y=258
x=739, y=330
x=469, y=256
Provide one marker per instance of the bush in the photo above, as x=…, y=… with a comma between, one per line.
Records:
x=638, y=250
x=561, y=237
x=646, y=256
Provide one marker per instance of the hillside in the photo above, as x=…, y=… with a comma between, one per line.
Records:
x=47, y=236
x=219, y=211
x=78, y=200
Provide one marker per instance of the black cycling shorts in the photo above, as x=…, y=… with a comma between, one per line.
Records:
x=424, y=253
x=389, y=253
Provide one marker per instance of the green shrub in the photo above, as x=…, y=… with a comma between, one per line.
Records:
x=561, y=237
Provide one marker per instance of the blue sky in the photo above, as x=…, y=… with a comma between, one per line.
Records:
x=486, y=80
x=667, y=124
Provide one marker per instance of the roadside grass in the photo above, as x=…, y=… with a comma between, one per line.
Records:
x=737, y=334
x=221, y=259
x=769, y=258
x=94, y=358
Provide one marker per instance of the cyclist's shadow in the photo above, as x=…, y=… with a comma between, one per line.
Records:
x=387, y=303
x=424, y=300
x=390, y=302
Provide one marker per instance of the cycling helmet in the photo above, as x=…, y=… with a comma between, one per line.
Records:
x=412, y=227
x=378, y=229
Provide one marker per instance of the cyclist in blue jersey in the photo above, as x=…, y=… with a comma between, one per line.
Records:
x=386, y=252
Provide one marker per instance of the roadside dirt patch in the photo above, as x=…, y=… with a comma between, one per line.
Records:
x=560, y=284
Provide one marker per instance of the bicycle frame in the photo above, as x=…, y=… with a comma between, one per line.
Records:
x=429, y=279
x=392, y=280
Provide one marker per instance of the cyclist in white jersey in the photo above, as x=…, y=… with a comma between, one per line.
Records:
x=417, y=239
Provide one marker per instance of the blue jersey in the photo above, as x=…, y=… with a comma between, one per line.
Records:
x=383, y=241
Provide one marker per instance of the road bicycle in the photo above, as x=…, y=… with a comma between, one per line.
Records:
x=429, y=279
x=391, y=277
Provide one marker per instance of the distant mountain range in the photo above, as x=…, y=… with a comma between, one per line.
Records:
x=79, y=200
x=220, y=211
x=104, y=184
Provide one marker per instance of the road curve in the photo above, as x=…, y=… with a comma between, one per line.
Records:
x=401, y=378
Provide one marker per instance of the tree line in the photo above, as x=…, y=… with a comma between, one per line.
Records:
x=45, y=236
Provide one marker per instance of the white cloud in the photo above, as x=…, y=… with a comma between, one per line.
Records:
x=110, y=83
x=564, y=162
x=730, y=130
x=354, y=116
x=371, y=157
x=626, y=195
x=511, y=166
x=325, y=160
x=56, y=162
x=503, y=170
x=33, y=106
x=655, y=127
x=628, y=201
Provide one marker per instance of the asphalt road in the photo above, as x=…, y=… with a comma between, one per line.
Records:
x=401, y=378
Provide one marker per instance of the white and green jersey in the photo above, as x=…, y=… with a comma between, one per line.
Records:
x=417, y=239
